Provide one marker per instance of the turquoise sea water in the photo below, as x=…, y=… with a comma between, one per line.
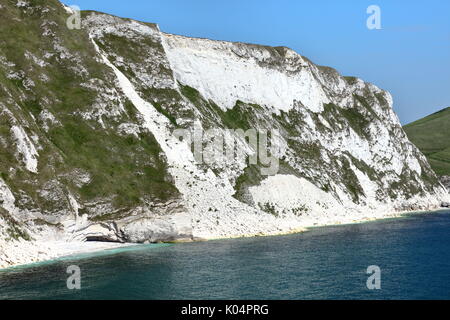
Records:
x=413, y=253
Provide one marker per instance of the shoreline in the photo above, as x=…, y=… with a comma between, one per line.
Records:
x=69, y=250
x=83, y=250
x=397, y=215
x=88, y=253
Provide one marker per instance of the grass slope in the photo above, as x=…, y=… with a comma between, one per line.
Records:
x=432, y=136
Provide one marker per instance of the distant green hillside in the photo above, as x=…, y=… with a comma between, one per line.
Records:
x=432, y=136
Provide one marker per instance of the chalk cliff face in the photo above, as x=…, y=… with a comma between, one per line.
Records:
x=88, y=149
x=445, y=180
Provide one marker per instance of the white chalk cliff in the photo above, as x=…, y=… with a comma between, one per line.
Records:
x=88, y=150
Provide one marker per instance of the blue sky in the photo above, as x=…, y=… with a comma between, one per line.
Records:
x=409, y=56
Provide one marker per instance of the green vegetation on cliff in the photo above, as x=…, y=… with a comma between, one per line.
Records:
x=54, y=87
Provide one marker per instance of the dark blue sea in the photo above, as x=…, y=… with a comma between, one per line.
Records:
x=412, y=252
